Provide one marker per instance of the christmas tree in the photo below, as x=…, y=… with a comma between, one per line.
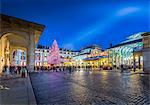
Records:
x=54, y=56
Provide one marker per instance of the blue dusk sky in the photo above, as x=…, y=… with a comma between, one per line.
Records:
x=79, y=23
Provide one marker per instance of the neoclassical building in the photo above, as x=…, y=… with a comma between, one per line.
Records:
x=133, y=51
x=127, y=52
x=17, y=34
x=41, y=55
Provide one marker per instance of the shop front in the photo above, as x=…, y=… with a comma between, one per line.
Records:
x=97, y=59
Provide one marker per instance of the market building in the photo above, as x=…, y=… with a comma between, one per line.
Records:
x=18, y=35
x=128, y=52
x=96, y=59
x=82, y=59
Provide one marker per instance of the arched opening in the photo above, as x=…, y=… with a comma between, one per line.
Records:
x=20, y=33
x=13, y=50
x=19, y=57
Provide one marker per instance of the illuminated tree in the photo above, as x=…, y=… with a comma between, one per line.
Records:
x=54, y=56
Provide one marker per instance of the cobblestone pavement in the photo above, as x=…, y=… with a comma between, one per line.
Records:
x=91, y=88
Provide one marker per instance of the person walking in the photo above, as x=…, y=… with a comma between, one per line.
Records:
x=121, y=68
x=69, y=69
x=23, y=72
x=134, y=67
x=7, y=71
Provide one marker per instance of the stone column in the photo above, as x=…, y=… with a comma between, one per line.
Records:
x=8, y=53
x=134, y=63
x=139, y=62
x=1, y=68
x=30, y=52
x=2, y=53
x=146, y=52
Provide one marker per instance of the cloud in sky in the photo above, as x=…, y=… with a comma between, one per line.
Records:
x=127, y=10
x=104, y=25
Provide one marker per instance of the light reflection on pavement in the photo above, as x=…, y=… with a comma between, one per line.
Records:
x=91, y=88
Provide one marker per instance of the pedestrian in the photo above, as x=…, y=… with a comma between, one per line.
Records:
x=16, y=71
x=19, y=69
x=134, y=67
x=69, y=69
x=7, y=73
x=23, y=72
x=26, y=71
x=100, y=67
x=121, y=68
x=11, y=70
x=64, y=68
x=4, y=70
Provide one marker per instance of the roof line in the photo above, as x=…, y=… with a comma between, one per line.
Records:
x=126, y=43
x=1, y=14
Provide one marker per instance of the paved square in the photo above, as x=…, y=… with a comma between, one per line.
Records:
x=91, y=88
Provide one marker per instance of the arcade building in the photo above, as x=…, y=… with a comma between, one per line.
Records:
x=91, y=56
x=128, y=52
x=18, y=39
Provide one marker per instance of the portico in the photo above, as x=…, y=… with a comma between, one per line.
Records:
x=18, y=34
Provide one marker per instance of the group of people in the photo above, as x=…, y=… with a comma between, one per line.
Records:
x=9, y=71
x=54, y=68
x=62, y=68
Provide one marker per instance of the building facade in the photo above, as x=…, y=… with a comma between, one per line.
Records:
x=18, y=34
x=86, y=56
x=41, y=55
x=96, y=59
x=129, y=52
x=68, y=57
